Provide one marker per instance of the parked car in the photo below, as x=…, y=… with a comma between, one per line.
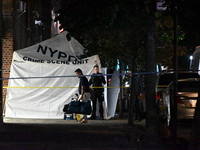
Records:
x=162, y=82
x=187, y=94
x=165, y=78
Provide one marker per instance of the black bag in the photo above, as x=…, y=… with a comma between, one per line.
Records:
x=78, y=107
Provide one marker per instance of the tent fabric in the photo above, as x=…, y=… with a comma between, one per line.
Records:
x=61, y=48
x=113, y=94
x=42, y=78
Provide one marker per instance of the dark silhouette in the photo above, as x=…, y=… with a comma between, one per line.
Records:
x=97, y=92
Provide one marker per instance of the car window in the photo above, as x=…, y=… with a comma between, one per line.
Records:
x=167, y=78
x=188, y=75
x=189, y=86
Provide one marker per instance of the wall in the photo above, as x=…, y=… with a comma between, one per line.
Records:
x=1, y=36
x=7, y=42
x=19, y=30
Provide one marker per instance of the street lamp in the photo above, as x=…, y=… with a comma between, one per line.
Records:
x=191, y=58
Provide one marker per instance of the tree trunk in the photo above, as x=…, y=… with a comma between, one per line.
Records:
x=121, y=109
x=194, y=142
x=133, y=88
x=151, y=139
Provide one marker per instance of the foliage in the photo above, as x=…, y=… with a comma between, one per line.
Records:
x=187, y=12
x=165, y=40
x=116, y=30
x=113, y=29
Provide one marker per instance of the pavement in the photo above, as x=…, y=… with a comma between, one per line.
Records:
x=58, y=134
x=62, y=121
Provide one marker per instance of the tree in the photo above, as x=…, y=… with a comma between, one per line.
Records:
x=116, y=30
x=152, y=139
x=188, y=11
x=109, y=28
x=165, y=38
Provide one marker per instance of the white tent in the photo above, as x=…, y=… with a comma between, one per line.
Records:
x=42, y=78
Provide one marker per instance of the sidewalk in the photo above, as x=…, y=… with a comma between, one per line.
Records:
x=61, y=134
x=58, y=134
x=62, y=121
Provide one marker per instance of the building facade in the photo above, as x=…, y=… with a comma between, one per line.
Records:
x=23, y=23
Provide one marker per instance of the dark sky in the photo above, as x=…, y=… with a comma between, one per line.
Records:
x=189, y=20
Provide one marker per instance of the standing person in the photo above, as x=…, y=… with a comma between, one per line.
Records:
x=83, y=90
x=139, y=94
x=97, y=93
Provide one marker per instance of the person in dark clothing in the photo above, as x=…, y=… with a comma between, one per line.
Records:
x=83, y=90
x=97, y=92
x=138, y=107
